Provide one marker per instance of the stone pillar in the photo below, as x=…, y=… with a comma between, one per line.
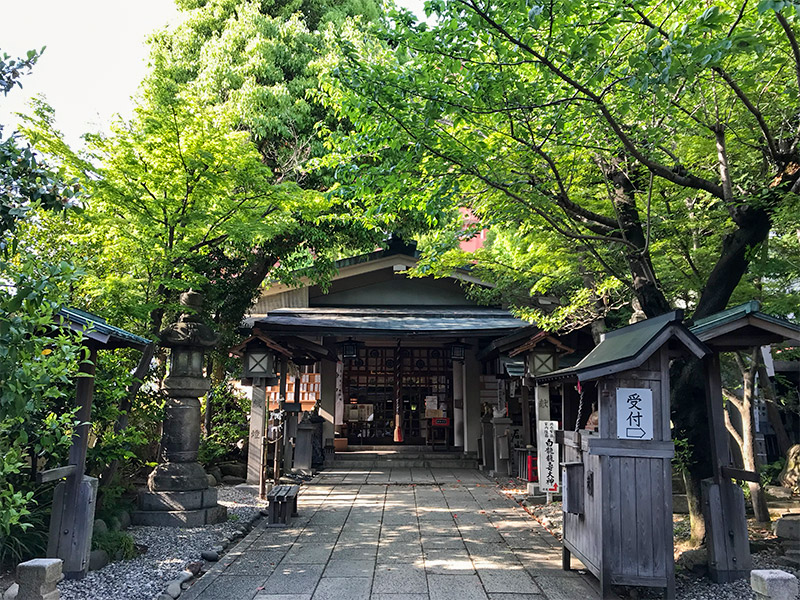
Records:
x=178, y=494
x=303, y=448
x=458, y=404
x=487, y=443
x=258, y=426
x=502, y=464
x=37, y=579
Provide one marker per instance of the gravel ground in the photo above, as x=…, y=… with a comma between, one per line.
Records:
x=168, y=551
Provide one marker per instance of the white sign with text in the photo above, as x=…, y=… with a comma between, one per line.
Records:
x=634, y=414
x=547, y=457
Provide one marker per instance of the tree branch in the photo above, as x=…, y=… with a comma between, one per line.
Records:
x=732, y=430
x=690, y=181
x=787, y=28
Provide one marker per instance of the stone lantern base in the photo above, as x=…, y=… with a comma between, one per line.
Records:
x=193, y=508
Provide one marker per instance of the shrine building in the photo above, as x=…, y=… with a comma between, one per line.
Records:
x=389, y=357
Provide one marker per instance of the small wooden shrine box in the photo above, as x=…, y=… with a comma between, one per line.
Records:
x=617, y=480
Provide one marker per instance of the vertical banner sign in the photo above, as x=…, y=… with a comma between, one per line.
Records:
x=338, y=410
x=634, y=414
x=549, y=470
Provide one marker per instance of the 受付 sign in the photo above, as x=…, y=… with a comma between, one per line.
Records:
x=634, y=414
x=548, y=457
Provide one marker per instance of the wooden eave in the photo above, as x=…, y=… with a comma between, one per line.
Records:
x=749, y=331
x=629, y=347
x=369, y=266
x=239, y=349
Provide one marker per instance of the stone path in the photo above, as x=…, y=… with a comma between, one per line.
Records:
x=398, y=534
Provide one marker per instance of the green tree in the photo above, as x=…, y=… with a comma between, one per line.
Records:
x=38, y=358
x=657, y=141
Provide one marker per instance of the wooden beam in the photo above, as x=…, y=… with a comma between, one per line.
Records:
x=740, y=474
x=54, y=474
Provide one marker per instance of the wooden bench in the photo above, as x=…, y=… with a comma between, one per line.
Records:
x=282, y=504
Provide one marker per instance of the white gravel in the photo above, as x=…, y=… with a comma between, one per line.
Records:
x=169, y=549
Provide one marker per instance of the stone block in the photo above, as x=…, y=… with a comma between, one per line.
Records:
x=177, y=477
x=788, y=527
x=216, y=514
x=171, y=501
x=11, y=592
x=181, y=518
x=773, y=584
x=37, y=579
x=170, y=518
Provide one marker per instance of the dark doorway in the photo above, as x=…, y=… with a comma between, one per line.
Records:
x=424, y=377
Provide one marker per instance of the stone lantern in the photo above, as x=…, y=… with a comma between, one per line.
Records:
x=178, y=492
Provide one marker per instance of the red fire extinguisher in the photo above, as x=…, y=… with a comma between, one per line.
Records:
x=533, y=471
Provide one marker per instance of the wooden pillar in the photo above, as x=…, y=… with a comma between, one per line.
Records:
x=526, y=415
x=72, y=521
x=458, y=404
x=276, y=473
x=292, y=419
x=723, y=502
x=398, y=396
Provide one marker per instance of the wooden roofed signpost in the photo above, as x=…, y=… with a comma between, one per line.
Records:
x=72, y=518
x=738, y=328
x=617, y=480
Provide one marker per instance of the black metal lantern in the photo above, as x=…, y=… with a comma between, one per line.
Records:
x=349, y=349
x=458, y=351
x=259, y=361
x=542, y=361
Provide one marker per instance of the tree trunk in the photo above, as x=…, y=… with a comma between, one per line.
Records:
x=773, y=412
x=645, y=286
x=749, y=455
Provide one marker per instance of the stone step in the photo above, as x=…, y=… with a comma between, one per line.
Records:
x=404, y=463
x=430, y=455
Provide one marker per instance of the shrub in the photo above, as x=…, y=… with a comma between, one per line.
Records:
x=229, y=412
x=115, y=543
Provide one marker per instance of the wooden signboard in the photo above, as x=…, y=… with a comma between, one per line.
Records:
x=548, y=453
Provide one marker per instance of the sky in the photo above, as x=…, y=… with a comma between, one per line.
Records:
x=96, y=57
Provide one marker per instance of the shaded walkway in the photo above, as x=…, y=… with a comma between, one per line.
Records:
x=414, y=534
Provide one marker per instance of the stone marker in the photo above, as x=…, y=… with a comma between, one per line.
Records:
x=773, y=584
x=37, y=579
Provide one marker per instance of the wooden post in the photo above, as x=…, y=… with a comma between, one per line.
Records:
x=723, y=502
x=290, y=430
x=458, y=405
x=73, y=512
x=398, y=396
x=526, y=416
x=282, y=429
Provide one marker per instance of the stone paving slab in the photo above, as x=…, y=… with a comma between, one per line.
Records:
x=398, y=534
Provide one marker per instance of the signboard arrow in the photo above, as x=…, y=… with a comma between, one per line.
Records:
x=635, y=432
